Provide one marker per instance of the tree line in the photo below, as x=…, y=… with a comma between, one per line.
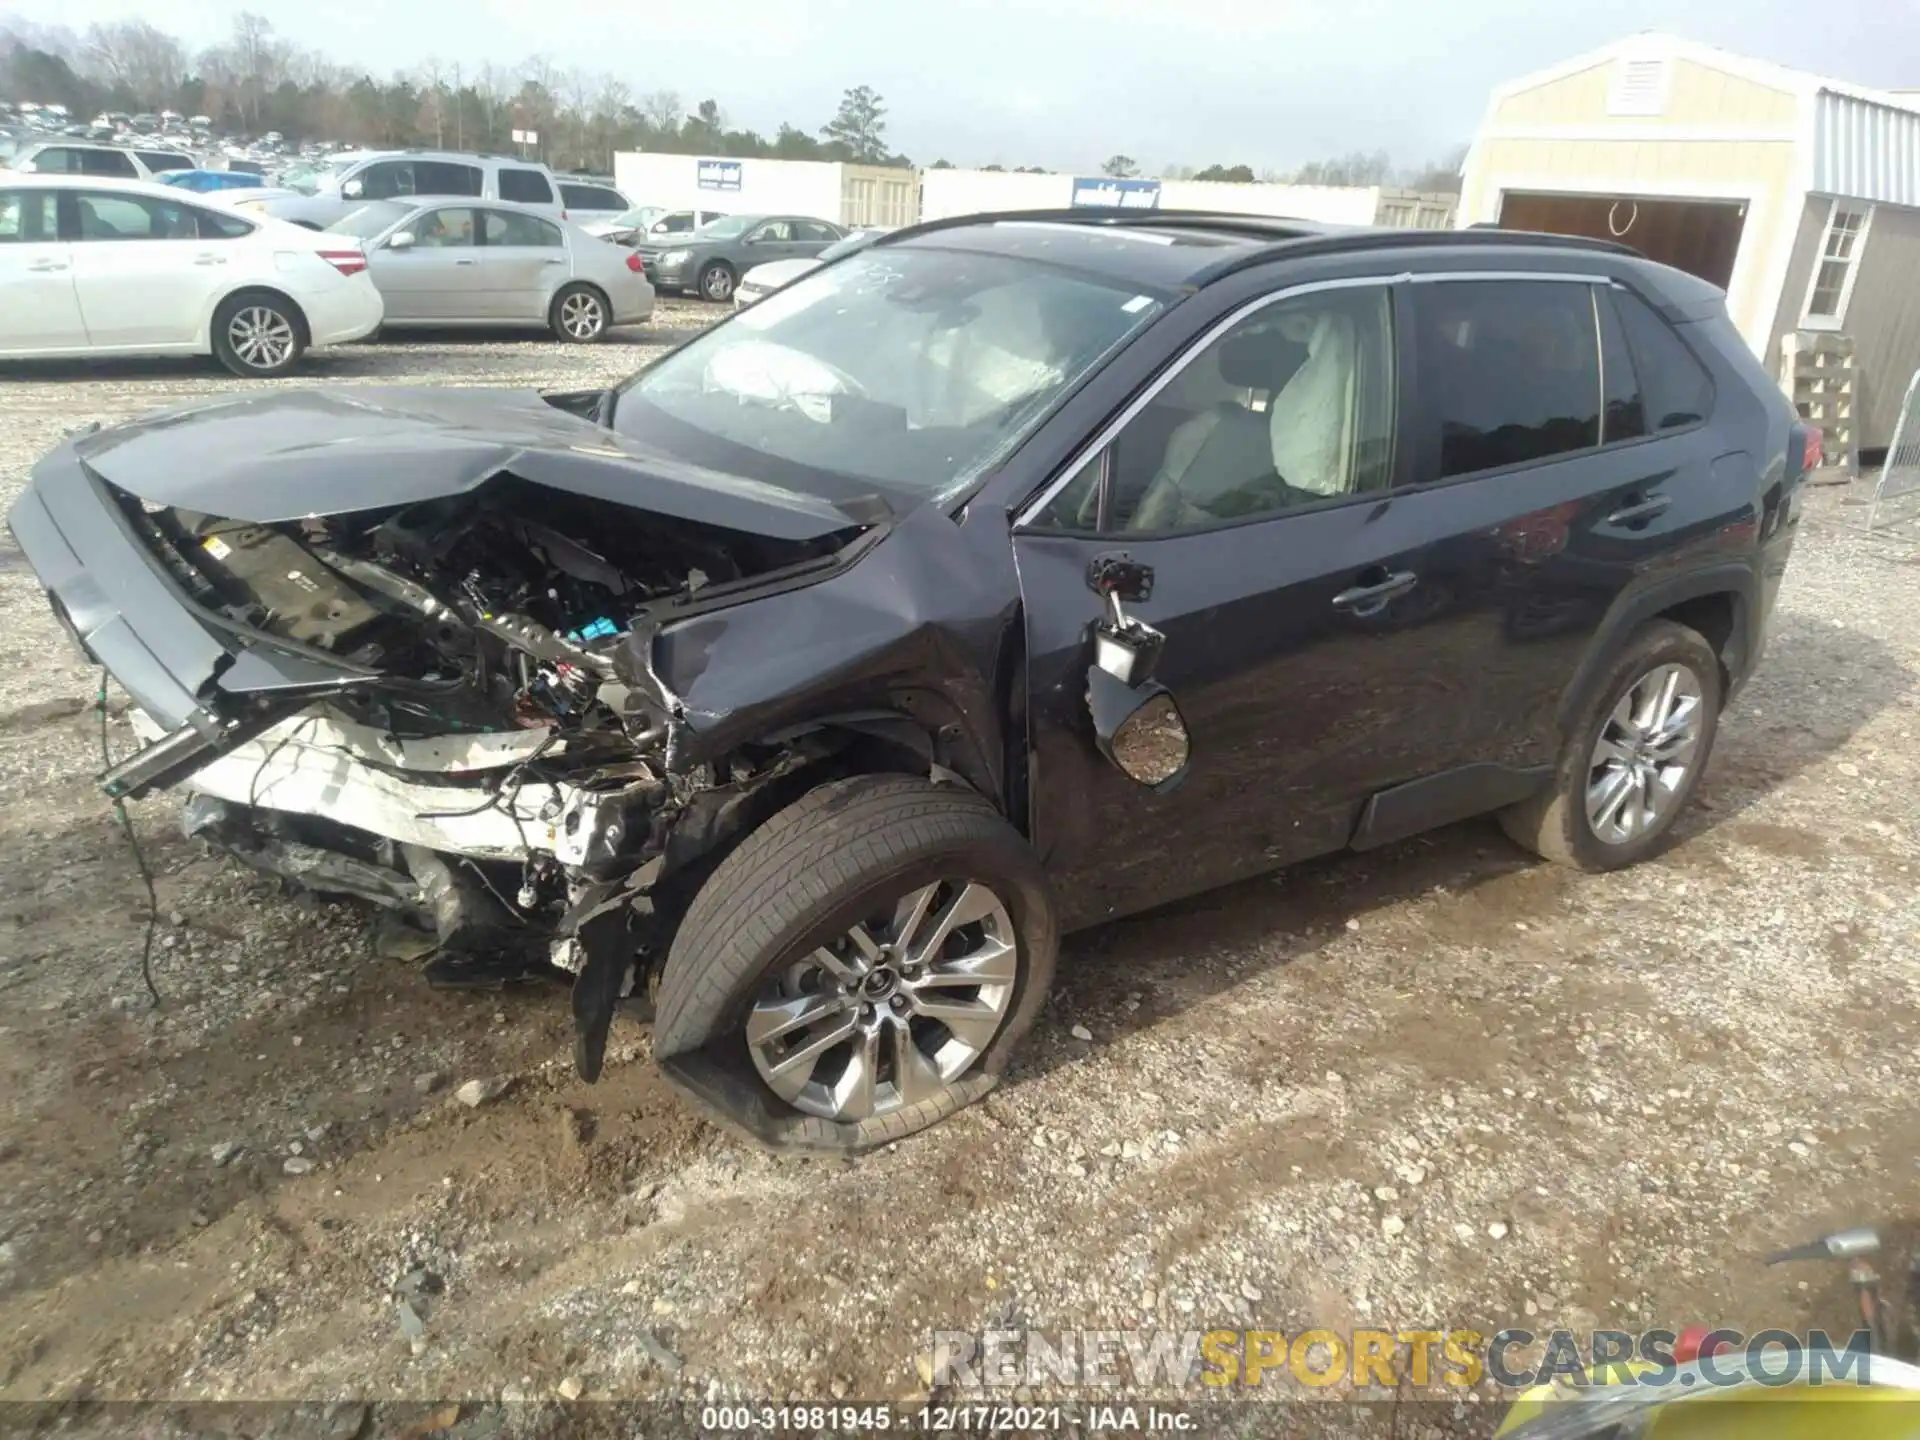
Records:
x=257, y=81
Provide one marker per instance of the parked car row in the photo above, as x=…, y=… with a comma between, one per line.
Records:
x=100, y=266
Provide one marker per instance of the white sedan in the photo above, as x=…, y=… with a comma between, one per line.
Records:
x=121, y=267
x=762, y=280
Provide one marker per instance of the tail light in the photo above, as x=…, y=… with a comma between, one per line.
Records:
x=1811, y=456
x=634, y=262
x=347, y=262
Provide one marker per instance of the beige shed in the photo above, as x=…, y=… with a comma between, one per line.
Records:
x=1798, y=194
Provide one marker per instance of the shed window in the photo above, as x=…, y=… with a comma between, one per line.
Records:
x=1639, y=87
x=1839, y=260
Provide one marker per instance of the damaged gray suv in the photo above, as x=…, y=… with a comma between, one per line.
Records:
x=1012, y=574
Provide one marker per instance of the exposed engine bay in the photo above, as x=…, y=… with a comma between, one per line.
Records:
x=501, y=772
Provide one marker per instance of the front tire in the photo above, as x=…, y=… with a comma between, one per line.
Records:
x=259, y=335
x=717, y=282
x=580, y=315
x=1631, y=765
x=864, y=963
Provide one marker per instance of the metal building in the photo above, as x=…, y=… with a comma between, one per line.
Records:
x=1798, y=194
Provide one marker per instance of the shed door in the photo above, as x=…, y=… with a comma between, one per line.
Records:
x=1701, y=237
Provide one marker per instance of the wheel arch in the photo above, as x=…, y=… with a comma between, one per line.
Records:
x=1717, y=602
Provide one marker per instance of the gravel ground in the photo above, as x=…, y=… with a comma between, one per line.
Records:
x=1440, y=1082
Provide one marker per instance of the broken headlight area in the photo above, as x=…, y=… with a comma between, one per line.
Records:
x=496, y=763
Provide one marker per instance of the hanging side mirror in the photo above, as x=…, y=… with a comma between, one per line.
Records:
x=400, y=240
x=1140, y=729
x=1136, y=722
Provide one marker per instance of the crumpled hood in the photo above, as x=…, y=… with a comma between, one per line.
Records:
x=287, y=454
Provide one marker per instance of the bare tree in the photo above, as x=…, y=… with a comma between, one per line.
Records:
x=134, y=56
x=433, y=96
x=662, y=110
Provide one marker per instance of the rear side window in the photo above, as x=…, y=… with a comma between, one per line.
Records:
x=814, y=230
x=525, y=187
x=588, y=197
x=215, y=226
x=506, y=228
x=106, y=162
x=1626, y=412
x=28, y=217
x=164, y=160
x=440, y=177
x=1677, y=389
x=57, y=160
x=1510, y=370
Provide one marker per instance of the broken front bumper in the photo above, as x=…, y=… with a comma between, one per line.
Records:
x=324, y=765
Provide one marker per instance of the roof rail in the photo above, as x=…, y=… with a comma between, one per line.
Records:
x=1285, y=236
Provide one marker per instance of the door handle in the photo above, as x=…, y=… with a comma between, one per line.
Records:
x=210, y=260
x=1640, y=511
x=47, y=266
x=556, y=260
x=466, y=262
x=1372, y=599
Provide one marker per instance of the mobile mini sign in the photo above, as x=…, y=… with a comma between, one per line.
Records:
x=718, y=175
x=1107, y=193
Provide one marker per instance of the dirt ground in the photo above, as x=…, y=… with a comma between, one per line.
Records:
x=1437, y=1083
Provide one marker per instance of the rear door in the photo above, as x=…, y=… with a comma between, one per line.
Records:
x=1313, y=662
x=773, y=240
x=438, y=276
x=1556, y=501
x=810, y=237
x=144, y=276
x=39, y=308
x=523, y=260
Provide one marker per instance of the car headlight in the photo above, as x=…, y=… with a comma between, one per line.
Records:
x=675, y=257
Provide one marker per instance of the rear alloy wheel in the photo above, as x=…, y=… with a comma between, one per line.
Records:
x=717, y=282
x=1629, y=768
x=258, y=336
x=860, y=966
x=579, y=315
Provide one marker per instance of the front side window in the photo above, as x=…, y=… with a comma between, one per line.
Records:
x=911, y=370
x=1510, y=370
x=28, y=217
x=446, y=229
x=104, y=216
x=524, y=187
x=504, y=227
x=1292, y=406
x=385, y=179
x=1839, y=258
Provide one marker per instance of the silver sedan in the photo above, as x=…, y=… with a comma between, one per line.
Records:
x=457, y=261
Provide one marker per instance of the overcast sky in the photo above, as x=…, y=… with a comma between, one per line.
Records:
x=1065, y=83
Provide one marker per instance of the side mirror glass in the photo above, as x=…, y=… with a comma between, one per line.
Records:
x=353, y=189
x=1140, y=729
x=400, y=240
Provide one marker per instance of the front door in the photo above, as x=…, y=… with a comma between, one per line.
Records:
x=1313, y=661
x=437, y=277
x=37, y=298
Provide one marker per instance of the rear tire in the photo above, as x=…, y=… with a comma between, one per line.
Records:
x=1631, y=764
x=580, y=315
x=259, y=334
x=857, y=855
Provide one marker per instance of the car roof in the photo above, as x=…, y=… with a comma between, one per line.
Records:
x=1176, y=248
x=40, y=181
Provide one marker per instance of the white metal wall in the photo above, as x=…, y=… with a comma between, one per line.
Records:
x=946, y=193
x=787, y=187
x=1864, y=150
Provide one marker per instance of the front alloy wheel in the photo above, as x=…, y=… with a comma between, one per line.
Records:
x=860, y=966
x=892, y=1012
